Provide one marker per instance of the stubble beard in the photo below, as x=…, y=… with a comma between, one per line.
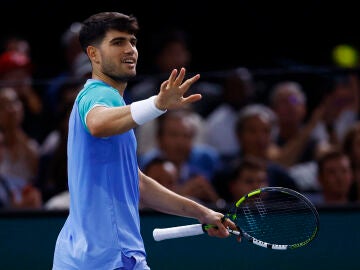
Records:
x=123, y=78
x=118, y=76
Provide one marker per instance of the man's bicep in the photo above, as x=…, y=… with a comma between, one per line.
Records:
x=91, y=116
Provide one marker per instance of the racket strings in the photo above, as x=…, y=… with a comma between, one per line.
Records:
x=277, y=218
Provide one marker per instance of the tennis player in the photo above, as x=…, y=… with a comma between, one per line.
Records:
x=106, y=186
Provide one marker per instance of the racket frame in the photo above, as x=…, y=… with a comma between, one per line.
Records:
x=273, y=245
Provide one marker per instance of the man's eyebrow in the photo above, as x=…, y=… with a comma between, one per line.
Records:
x=118, y=39
x=122, y=39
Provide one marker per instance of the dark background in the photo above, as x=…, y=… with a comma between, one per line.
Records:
x=224, y=34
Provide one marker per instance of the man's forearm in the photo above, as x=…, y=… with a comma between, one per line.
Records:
x=159, y=198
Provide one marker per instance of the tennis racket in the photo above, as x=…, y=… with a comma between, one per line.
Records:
x=270, y=217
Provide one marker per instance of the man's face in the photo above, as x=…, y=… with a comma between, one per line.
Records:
x=247, y=181
x=255, y=137
x=290, y=108
x=177, y=138
x=117, y=56
x=11, y=108
x=336, y=176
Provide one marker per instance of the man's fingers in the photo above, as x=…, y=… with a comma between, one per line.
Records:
x=218, y=232
x=180, y=77
x=172, y=77
x=192, y=98
x=186, y=85
x=176, y=77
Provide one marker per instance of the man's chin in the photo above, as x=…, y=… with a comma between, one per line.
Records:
x=125, y=78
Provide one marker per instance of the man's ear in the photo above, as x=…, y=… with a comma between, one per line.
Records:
x=93, y=54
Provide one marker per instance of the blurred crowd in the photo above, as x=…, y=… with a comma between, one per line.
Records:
x=247, y=131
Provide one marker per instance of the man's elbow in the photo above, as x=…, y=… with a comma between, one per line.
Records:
x=95, y=129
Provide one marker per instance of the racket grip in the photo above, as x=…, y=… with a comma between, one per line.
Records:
x=177, y=232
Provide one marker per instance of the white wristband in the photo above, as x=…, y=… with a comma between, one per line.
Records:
x=145, y=110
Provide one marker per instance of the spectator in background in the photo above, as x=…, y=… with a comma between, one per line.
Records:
x=74, y=57
x=21, y=157
x=245, y=176
x=14, y=195
x=163, y=171
x=166, y=173
x=16, y=71
x=341, y=109
x=52, y=176
x=196, y=163
x=219, y=125
x=335, y=177
x=53, y=151
x=18, y=156
x=300, y=142
x=294, y=138
x=351, y=147
x=171, y=50
x=256, y=127
x=297, y=146
x=16, y=43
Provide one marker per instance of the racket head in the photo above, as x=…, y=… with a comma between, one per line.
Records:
x=276, y=217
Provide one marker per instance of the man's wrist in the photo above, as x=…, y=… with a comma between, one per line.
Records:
x=157, y=105
x=145, y=110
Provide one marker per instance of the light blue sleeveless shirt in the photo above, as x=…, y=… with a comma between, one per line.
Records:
x=103, y=221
